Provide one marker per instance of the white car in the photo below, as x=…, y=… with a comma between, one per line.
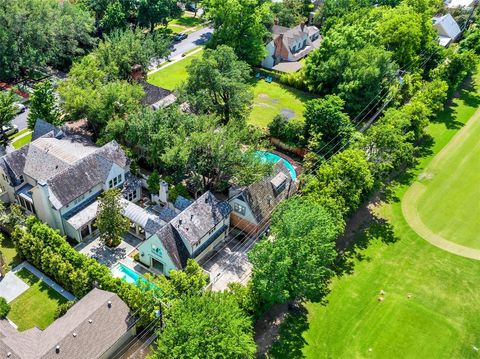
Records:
x=20, y=108
x=10, y=130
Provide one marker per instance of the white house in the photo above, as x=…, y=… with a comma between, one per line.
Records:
x=290, y=45
x=452, y=4
x=447, y=29
x=192, y=233
x=58, y=177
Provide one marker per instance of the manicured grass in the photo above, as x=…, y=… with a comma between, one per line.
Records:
x=446, y=196
x=170, y=77
x=36, y=306
x=9, y=252
x=19, y=133
x=271, y=99
x=187, y=20
x=430, y=304
x=22, y=141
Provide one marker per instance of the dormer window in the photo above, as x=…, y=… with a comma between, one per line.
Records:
x=115, y=181
x=21, y=179
x=239, y=208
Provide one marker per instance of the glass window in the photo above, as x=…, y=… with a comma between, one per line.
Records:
x=239, y=208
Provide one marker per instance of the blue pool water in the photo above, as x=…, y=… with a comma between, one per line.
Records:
x=126, y=274
x=273, y=158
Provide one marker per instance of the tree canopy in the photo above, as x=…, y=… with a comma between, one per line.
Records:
x=7, y=108
x=43, y=105
x=110, y=221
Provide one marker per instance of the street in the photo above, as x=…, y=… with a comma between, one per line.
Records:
x=21, y=120
x=193, y=40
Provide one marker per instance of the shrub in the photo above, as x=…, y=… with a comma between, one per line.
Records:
x=290, y=132
x=63, y=308
x=4, y=308
x=178, y=190
x=136, y=257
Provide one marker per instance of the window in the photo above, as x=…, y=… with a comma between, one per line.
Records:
x=157, y=250
x=115, y=181
x=21, y=178
x=110, y=184
x=239, y=208
x=131, y=196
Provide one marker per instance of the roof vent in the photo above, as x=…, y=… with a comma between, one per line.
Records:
x=109, y=303
x=179, y=222
x=90, y=321
x=74, y=334
x=206, y=199
x=57, y=349
x=9, y=354
x=191, y=217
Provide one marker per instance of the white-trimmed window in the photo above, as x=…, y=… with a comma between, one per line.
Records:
x=239, y=208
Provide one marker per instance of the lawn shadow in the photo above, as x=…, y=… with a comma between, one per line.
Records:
x=290, y=340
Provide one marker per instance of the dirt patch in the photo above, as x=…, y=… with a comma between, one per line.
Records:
x=289, y=114
x=267, y=328
x=263, y=96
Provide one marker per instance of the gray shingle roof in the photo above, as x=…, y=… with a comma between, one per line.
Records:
x=41, y=128
x=262, y=197
x=13, y=164
x=108, y=324
x=153, y=94
x=181, y=203
x=173, y=245
x=200, y=217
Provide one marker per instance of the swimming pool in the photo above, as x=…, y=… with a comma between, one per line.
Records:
x=273, y=158
x=126, y=274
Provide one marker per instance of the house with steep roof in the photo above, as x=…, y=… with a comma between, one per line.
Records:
x=58, y=178
x=290, y=45
x=192, y=233
x=252, y=206
x=97, y=326
x=447, y=29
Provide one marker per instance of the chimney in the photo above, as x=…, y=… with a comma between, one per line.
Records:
x=302, y=25
x=57, y=349
x=163, y=193
x=276, y=21
x=137, y=72
x=109, y=303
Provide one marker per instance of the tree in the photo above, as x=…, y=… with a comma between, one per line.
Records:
x=34, y=33
x=154, y=12
x=327, y=124
x=472, y=40
x=293, y=263
x=63, y=308
x=456, y=67
x=114, y=18
x=290, y=13
x=207, y=326
x=7, y=108
x=212, y=157
x=217, y=83
x=190, y=281
x=341, y=183
x=240, y=24
x=110, y=221
x=153, y=182
x=43, y=105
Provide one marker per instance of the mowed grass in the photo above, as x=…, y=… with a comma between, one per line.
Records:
x=449, y=204
x=22, y=141
x=430, y=307
x=171, y=76
x=270, y=99
x=9, y=252
x=36, y=306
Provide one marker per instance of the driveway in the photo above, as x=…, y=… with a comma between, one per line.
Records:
x=229, y=262
x=193, y=40
x=21, y=120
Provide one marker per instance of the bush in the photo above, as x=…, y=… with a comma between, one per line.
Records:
x=63, y=308
x=4, y=308
x=290, y=132
x=136, y=257
x=178, y=190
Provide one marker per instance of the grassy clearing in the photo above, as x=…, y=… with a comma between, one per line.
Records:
x=429, y=310
x=270, y=99
x=36, y=306
x=22, y=141
x=188, y=20
x=170, y=77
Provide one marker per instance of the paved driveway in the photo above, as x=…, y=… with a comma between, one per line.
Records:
x=11, y=286
x=21, y=120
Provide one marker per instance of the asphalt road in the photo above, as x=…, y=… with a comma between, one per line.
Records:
x=21, y=120
x=193, y=40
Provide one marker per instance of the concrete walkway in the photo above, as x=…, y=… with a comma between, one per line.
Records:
x=52, y=284
x=11, y=286
x=411, y=197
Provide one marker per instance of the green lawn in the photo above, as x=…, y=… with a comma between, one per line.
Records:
x=22, y=141
x=170, y=77
x=9, y=252
x=36, y=306
x=19, y=133
x=270, y=99
x=431, y=300
x=187, y=21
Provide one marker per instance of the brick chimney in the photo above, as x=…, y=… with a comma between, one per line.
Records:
x=137, y=74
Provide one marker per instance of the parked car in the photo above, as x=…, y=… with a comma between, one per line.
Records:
x=179, y=37
x=20, y=108
x=10, y=130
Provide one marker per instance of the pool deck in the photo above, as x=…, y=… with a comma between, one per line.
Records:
x=295, y=164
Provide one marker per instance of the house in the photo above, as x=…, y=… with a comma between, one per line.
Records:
x=452, y=4
x=253, y=205
x=290, y=45
x=192, y=233
x=97, y=326
x=447, y=29
x=156, y=97
x=58, y=177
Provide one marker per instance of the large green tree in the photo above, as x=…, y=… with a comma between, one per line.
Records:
x=218, y=84
x=327, y=126
x=154, y=12
x=240, y=24
x=293, y=262
x=208, y=326
x=43, y=105
x=36, y=33
x=7, y=108
x=110, y=221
